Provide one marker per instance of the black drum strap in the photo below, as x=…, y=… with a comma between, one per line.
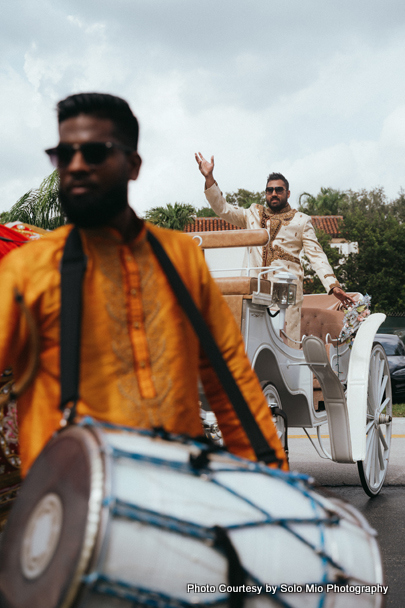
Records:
x=236, y=572
x=264, y=452
x=73, y=267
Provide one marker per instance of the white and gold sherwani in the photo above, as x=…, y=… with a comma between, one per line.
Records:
x=291, y=232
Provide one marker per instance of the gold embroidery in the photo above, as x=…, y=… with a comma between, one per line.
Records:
x=280, y=254
x=114, y=297
x=159, y=407
x=329, y=275
x=144, y=412
x=337, y=284
x=276, y=220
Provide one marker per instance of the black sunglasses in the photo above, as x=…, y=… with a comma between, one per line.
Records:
x=94, y=153
x=277, y=189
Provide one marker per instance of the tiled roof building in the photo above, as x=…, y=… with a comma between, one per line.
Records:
x=210, y=224
x=327, y=223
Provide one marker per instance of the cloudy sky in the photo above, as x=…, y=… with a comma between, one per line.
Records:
x=314, y=89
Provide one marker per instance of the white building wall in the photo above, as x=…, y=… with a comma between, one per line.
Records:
x=346, y=248
x=225, y=260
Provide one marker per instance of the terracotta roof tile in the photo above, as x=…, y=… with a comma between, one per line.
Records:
x=327, y=223
x=209, y=224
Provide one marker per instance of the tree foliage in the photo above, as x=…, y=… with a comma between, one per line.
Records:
x=398, y=207
x=175, y=216
x=378, y=226
x=377, y=269
x=205, y=212
x=39, y=207
x=327, y=202
x=245, y=198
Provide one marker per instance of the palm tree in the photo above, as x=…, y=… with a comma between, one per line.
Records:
x=39, y=207
x=175, y=216
x=327, y=202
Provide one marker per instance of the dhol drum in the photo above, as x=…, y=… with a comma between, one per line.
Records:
x=114, y=518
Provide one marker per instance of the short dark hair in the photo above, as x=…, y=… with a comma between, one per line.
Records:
x=102, y=105
x=275, y=176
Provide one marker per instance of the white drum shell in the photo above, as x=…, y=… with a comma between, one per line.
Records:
x=164, y=561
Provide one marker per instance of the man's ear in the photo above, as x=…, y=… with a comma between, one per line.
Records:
x=135, y=164
x=288, y=194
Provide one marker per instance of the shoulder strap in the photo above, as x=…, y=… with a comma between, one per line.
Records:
x=73, y=267
x=263, y=451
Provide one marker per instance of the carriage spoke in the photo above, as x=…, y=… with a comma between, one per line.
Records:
x=379, y=377
x=382, y=439
x=375, y=371
x=369, y=451
x=369, y=425
x=376, y=462
x=380, y=454
x=382, y=388
x=383, y=406
x=370, y=409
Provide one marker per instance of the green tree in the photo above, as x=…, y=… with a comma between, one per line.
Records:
x=39, y=207
x=245, y=198
x=175, y=216
x=398, y=207
x=377, y=269
x=206, y=212
x=378, y=226
x=327, y=202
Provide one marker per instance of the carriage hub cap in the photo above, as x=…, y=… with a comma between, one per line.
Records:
x=41, y=536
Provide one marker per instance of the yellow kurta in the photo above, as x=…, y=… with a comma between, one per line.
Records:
x=139, y=355
x=291, y=233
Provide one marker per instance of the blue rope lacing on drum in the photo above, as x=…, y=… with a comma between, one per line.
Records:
x=101, y=583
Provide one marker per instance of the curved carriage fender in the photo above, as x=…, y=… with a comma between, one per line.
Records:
x=334, y=397
x=357, y=383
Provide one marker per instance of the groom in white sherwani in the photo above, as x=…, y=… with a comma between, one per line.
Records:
x=291, y=232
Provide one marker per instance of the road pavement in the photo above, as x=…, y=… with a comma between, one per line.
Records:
x=385, y=512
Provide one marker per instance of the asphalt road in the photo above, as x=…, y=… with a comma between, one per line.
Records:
x=385, y=512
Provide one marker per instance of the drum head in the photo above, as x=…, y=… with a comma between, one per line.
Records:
x=51, y=531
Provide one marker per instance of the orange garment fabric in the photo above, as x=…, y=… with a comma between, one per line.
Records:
x=140, y=358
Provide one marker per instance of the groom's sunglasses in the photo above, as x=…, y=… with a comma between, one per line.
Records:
x=277, y=190
x=94, y=153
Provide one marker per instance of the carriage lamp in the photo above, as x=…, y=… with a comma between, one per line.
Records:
x=283, y=293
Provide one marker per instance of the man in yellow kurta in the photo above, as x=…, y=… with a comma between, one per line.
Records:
x=291, y=232
x=140, y=358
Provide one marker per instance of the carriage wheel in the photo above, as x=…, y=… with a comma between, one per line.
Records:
x=373, y=469
x=274, y=403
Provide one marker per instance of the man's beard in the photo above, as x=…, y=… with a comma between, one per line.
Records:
x=93, y=210
x=279, y=206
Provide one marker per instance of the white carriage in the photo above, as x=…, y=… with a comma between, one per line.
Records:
x=114, y=517
x=324, y=381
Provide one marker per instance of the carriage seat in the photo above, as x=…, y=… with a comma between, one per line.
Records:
x=237, y=289
x=320, y=322
x=322, y=314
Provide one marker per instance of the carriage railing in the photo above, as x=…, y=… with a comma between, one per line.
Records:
x=226, y=239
